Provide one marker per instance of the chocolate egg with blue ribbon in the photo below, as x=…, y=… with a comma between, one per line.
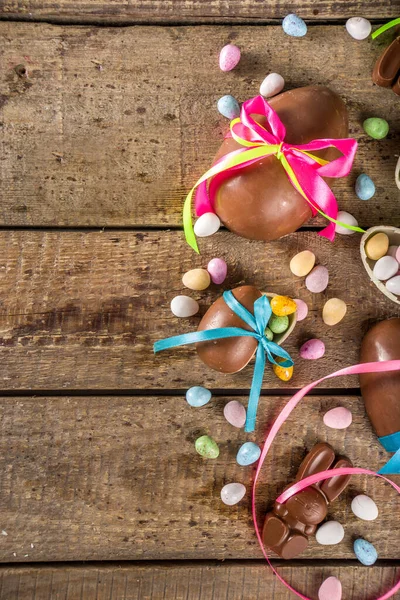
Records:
x=259, y=202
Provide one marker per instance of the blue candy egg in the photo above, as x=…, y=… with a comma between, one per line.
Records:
x=198, y=396
x=229, y=107
x=365, y=552
x=248, y=453
x=294, y=26
x=365, y=187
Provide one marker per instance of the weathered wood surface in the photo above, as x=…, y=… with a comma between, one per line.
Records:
x=190, y=581
x=113, y=126
x=82, y=310
x=118, y=478
x=187, y=11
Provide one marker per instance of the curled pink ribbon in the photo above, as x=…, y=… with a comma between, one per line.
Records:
x=374, y=367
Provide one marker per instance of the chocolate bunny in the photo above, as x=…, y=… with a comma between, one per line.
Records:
x=287, y=526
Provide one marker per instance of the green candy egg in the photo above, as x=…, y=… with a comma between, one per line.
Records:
x=206, y=447
x=278, y=324
x=268, y=334
x=376, y=128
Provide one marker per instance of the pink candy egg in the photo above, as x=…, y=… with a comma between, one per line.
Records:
x=338, y=418
x=229, y=57
x=317, y=280
x=217, y=269
x=331, y=589
x=235, y=413
x=312, y=349
x=302, y=309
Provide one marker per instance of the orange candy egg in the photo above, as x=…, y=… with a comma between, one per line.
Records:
x=284, y=373
x=283, y=305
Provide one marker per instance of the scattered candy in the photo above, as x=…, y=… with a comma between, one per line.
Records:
x=278, y=324
x=365, y=187
x=268, y=334
x=302, y=263
x=232, y=493
x=393, y=285
x=365, y=552
x=364, y=508
x=198, y=396
x=338, y=418
x=284, y=373
x=377, y=246
x=207, y=224
x=229, y=107
x=196, y=279
x=313, y=349
x=331, y=589
x=272, y=85
x=218, y=270
x=376, y=128
x=317, y=281
x=330, y=533
x=358, y=27
x=229, y=57
x=334, y=311
x=248, y=454
x=392, y=251
x=183, y=306
x=283, y=305
x=207, y=447
x=235, y=413
x=385, y=268
x=302, y=309
x=294, y=26
x=347, y=219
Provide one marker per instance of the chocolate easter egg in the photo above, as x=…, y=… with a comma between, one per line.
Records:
x=381, y=391
x=259, y=202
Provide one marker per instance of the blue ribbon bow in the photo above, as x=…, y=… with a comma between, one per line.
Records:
x=391, y=443
x=258, y=322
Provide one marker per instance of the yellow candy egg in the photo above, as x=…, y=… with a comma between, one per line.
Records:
x=284, y=373
x=283, y=306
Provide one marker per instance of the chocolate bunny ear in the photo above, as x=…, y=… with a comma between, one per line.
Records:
x=332, y=488
x=320, y=458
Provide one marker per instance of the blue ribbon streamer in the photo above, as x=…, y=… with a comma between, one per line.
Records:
x=258, y=322
x=391, y=443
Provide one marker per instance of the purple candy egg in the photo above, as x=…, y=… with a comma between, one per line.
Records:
x=217, y=269
x=312, y=349
x=302, y=309
x=317, y=280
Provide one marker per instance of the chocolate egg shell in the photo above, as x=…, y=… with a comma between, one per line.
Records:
x=381, y=391
x=259, y=202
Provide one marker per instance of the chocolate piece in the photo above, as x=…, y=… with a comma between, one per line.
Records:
x=288, y=526
x=387, y=67
x=259, y=202
x=381, y=391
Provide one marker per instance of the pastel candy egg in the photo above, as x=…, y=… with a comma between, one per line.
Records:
x=272, y=85
x=393, y=285
x=232, y=493
x=338, y=418
x=392, y=251
x=196, y=279
x=313, y=349
x=377, y=246
x=198, y=396
x=206, y=447
x=358, y=27
x=330, y=533
x=283, y=305
x=385, y=268
x=302, y=309
x=278, y=324
x=235, y=413
x=317, y=281
x=207, y=224
x=376, y=128
x=365, y=552
x=364, y=508
x=347, y=219
x=229, y=57
x=183, y=306
x=302, y=263
x=294, y=26
x=229, y=107
x=248, y=454
x=218, y=270
x=268, y=334
x=365, y=187
x=331, y=589
x=334, y=311
x=284, y=373
x=398, y=255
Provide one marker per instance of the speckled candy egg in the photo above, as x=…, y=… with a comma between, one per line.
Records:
x=294, y=26
x=365, y=552
x=365, y=187
x=198, y=396
x=207, y=447
x=313, y=349
x=218, y=270
x=229, y=57
x=283, y=306
x=331, y=589
x=376, y=128
x=229, y=107
x=248, y=454
x=283, y=373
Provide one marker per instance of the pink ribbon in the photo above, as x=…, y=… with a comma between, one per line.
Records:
x=374, y=367
x=307, y=170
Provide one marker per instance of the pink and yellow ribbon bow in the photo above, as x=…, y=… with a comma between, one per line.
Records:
x=304, y=170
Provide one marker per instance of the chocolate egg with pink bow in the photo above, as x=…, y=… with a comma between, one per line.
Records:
x=259, y=202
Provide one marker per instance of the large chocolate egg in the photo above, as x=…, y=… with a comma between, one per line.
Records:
x=381, y=391
x=259, y=202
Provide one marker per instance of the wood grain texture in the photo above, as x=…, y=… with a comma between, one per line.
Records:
x=190, y=581
x=118, y=478
x=187, y=11
x=113, y=126
x=82, y=310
